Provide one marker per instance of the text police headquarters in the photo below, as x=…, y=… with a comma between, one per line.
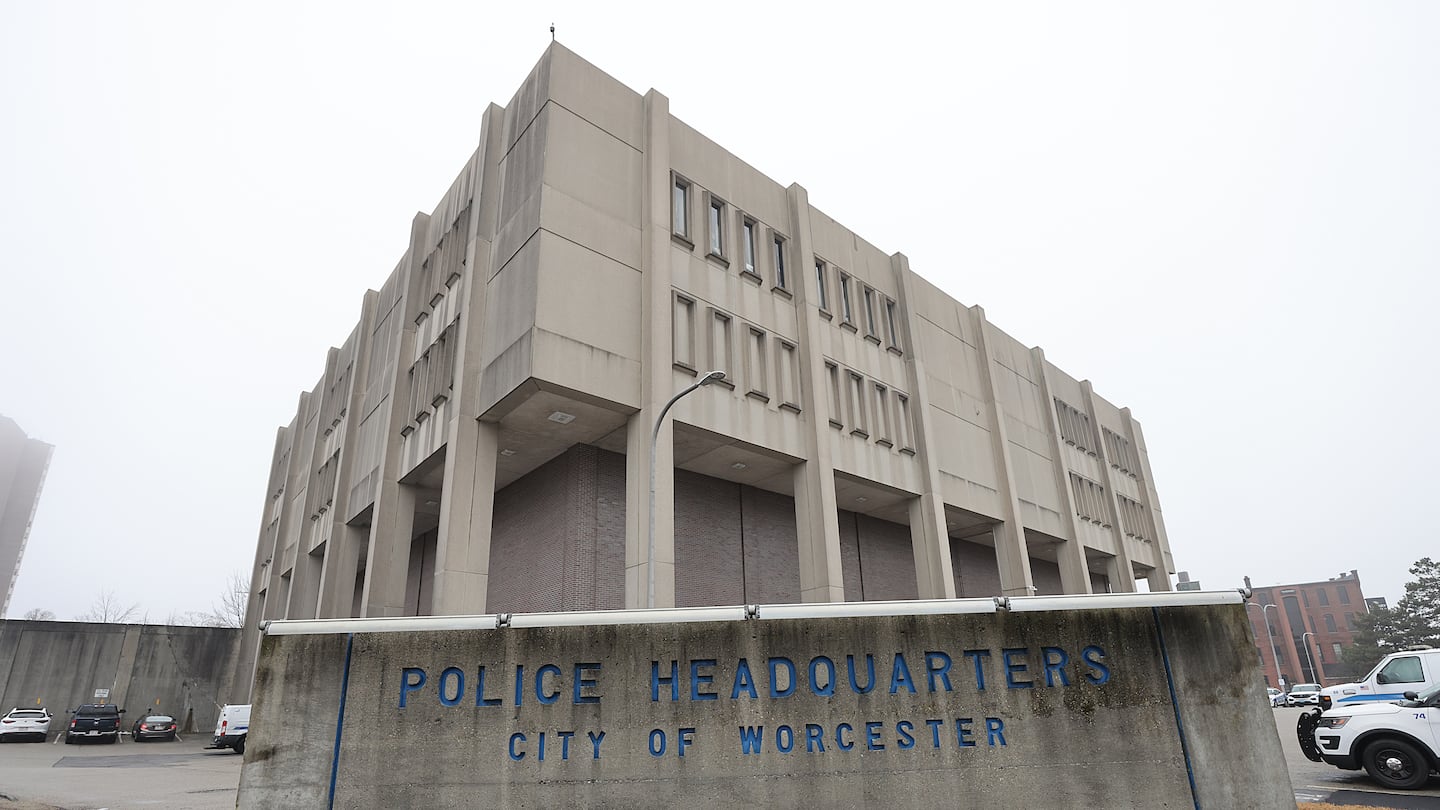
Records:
x=776, y=678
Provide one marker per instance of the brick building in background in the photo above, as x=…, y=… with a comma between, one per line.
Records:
x=1317, y=615
x=481, y=441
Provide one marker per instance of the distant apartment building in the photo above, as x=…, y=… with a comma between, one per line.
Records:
x=23, y=463
x=1308, y=617
x=482, y=440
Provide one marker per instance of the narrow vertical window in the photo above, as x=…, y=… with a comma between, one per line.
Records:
x=756, y=374
x=787, y=375
x=680, y=208
x=891, y=330
x=717, y=228
x=882, y=416
x=822, y=293
x=777, y=247
x=832, y=377
x=904, y=431
x=847, y=314
x=868, y=297
x=747, y=240
x=722, y=353
x=860, y=424
x=683, y=326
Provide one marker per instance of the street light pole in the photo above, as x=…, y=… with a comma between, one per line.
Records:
x=1310, y=660
x=713, y=376
x=1273, y=656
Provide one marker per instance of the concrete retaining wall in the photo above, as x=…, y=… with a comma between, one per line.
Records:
x=147, y=668
x=1117, y=707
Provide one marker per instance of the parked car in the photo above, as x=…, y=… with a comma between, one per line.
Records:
x=94, y=722
x=1277, y=698
x=22, y=724
x=153, y=727
x=1413, y=669
x=1398, y=744
x=1302, y=694
x=232, y=727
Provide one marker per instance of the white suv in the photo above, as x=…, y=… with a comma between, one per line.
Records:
x=1398, y=744
x=1303, y=693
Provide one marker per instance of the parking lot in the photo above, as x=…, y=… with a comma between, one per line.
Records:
x=177, y=775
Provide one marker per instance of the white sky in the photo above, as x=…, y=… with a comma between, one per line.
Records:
x=1224, y=214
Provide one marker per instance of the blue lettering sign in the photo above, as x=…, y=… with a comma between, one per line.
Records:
x=937, y=664
x=411, y=679
x=1099, y=673
x=869, y=674
x=1055, y=663
x=697, y=680
x=1013, y=668
x=775, y=664
x=828, y=688
x=900, y=675
x=458, y=676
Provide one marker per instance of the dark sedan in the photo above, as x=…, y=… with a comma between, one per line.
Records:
x=153, y=727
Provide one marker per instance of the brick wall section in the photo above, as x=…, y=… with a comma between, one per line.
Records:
x=976, y=573
x=1046, y=576
x=875, y=558
x=528, y=538
x=709, y=560
x=609, y=531
x=850, y=564
x=772, y=553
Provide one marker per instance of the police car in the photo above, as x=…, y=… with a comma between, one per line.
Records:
x=1398, y=744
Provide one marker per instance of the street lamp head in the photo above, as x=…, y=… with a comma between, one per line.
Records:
x=714, y=376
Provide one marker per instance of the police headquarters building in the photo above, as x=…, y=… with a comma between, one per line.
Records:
x=482, y=439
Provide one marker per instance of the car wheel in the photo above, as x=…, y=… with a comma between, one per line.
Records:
x=239, y=746
x=112, y=740
x=1396, y=764
x=68, y=740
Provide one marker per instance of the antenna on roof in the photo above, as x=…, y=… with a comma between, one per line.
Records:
x=552, y=32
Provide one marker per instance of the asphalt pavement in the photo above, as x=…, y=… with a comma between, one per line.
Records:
x=179, y=775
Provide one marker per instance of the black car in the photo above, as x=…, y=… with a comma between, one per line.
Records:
x=153, y=727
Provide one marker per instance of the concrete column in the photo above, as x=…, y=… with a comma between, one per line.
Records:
x=817, y=516
x=342, y=550
x=929, y=536
x=1074, y=570
x=1125, y=561
x=1156, y=521
x=277, y=599
x=237, y=690
x=655, y=381
x=392, y=527
x=1158, y=580
x=1012, y=553
x=462, y=551
x=462, y=548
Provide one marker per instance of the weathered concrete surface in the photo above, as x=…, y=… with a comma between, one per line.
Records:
x=147, y=668
x=1096, y=728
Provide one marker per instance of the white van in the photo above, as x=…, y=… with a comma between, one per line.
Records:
x=231, y=728
x=1413, y=670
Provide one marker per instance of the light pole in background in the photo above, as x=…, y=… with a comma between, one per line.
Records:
x=1279, y=679
x=1313, y=674
x=713, y=376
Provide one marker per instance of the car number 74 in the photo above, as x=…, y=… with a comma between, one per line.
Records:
x=1419, y=715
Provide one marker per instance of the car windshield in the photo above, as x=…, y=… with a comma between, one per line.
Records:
x=159, y=718
x=97, y=711
x=1306, y=687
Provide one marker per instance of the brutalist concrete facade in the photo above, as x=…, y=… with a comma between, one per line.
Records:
x=23, y=464
x=482, y=440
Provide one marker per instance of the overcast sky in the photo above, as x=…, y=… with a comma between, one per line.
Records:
x=1227, y=216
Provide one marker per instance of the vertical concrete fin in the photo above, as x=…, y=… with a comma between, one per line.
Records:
x=1074, y=570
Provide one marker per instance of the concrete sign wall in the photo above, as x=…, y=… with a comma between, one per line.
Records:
x=1128, y=707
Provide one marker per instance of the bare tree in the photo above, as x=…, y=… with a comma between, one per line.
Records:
x=108, y=609
x=40, y=615
x=233, y=602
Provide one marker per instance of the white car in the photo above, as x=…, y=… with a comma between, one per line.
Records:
x=1277, y=698
x=1398, y=744
x=1302, y=694
x=23, y=723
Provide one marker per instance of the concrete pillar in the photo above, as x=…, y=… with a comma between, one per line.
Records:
x=817, y=516
x=1012, y=554
x=1125, y=561
x=656, y=382
x=462, y=551
x=462, y=548
x=1074, y=570
x=1158, y=580
x=929, y=536
x=1151, y=500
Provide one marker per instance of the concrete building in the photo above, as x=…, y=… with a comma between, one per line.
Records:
x=482, y=440
x=1308, y=617
x=23, y=463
